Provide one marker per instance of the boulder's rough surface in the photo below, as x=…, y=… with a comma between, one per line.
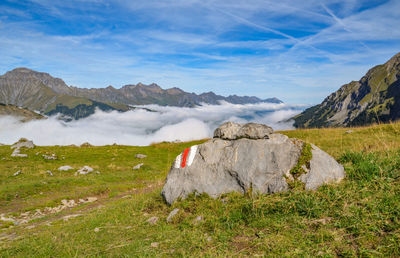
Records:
x=245, y=158
x=234, y=131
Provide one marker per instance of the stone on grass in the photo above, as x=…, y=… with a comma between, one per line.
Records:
x=49, y=172
x=23, y=143
x=17, y=173
x=140, y=156
x=16, y=153
x=172, y=214
x=83, y=171
x=50, y=157
x=244, y=158
x=152, y=220
x=138, y=166
x=65, y=168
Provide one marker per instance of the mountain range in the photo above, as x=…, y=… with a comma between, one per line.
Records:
x=374, y=98
x=37, y=91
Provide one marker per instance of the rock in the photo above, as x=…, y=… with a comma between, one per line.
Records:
x=49, y=172
x=50, y=157
x=138, y=166
x=83, y=171
x=152, y=220
x=86, y=145
x=172, y=214
x=349, y=131
x=323, y=168
x=23, y=143
x=16, y=153
x=17, y=173
x=91, y=199
x=140, y=156
x=65, y=168
x=197, y=220
x=96, y=230
x=234, y=131
x=259, y=165
x=154, y=244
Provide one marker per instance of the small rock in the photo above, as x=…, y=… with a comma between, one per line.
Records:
x=140, y=156
x=65, y=168
x=83, y=171
x=349, y=131
x=30, y=227
x=172, y=214
x=23, y=143
x=91, y=199
x=96, y=230
x=86, y=144
x=49, y=172
x=138, y=166
x=50, y=157
x=16, y=153
x=17, y=173
x=197, y=220
x=154, y=244
x=2, y=218
x=152, y=220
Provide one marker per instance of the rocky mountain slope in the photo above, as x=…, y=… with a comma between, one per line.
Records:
x=24, y=114
x=42, y=92
x=374, y=98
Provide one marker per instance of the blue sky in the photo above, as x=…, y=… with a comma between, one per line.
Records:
x=298, y=51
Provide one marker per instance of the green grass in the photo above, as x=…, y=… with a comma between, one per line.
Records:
x=358, y=217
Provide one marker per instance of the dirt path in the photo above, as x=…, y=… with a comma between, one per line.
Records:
x=14, y=233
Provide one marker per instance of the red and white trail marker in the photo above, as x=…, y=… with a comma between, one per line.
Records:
x=186, y=157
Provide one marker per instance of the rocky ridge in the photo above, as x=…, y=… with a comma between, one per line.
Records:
x=38, y=91
x=374, y=98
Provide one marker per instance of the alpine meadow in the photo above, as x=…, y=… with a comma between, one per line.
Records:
x=196, y=128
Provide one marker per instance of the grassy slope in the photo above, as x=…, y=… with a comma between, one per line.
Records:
x=357, y=217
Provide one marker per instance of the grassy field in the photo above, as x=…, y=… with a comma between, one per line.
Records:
x=358, y=217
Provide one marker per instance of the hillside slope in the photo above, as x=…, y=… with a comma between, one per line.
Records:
x=374, y=98
x=357, y=217
x=24, y=114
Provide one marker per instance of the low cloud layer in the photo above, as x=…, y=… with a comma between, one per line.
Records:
x=140, y=127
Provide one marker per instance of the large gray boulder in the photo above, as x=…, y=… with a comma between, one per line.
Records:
x=245, y=158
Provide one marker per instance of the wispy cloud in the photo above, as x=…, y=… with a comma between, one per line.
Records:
x=248, y=47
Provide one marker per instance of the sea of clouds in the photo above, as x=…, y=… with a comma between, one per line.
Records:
x=142, y=127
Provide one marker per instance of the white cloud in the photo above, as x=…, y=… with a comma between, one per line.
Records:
x=141, y=127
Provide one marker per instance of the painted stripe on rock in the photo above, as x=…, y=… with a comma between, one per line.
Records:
x=186, y=158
